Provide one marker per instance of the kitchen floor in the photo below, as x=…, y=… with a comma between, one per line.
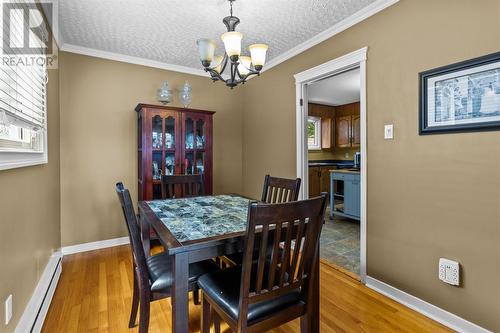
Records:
x=340, y=242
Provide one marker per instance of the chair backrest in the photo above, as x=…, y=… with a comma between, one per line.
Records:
x=183, y=185
x=138, y=254
x=290, y=232
x=279, y=190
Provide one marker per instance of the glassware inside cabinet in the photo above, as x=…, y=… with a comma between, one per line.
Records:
x=157, y=134
x=189, y=134
x=170, y=164
x=200, y=134
x=189, y=164
x=157, y=165
x=200, y=162
x=170, y=133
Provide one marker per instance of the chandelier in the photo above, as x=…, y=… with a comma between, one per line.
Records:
x=241, y=67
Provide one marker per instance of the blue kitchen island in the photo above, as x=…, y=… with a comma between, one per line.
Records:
x=345, y=194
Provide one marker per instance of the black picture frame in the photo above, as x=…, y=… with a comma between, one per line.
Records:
x=424, y=77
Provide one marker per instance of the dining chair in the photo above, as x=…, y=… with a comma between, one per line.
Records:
x=152, y=275
x=279, y=190
x=185, y=185
x=261, y=294
x=275, y=190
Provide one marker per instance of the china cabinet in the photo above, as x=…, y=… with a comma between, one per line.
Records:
x=172, y=141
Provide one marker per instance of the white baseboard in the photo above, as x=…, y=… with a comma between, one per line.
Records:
x=442, y=316
x=34, y=314
x=94, y=245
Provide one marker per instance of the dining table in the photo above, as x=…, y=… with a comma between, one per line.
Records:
x=199, y=228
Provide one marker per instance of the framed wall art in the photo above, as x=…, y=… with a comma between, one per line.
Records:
x=461, y=97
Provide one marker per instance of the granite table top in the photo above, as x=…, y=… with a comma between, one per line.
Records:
x=202, y=217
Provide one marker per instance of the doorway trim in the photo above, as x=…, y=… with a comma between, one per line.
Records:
x=302, y=80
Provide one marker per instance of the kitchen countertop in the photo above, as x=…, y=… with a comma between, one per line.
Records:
x=338, y=163
x=355, y=171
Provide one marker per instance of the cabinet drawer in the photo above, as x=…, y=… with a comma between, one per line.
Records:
x=344, y=176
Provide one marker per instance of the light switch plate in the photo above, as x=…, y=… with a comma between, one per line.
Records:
x=8, y=309
x=449, y=271
x=389, y=131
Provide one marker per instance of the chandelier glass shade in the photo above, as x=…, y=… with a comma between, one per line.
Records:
x=241, y=67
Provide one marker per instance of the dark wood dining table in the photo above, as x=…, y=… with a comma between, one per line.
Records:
x=200, y=228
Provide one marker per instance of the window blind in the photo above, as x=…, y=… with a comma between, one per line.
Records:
x=22, y=91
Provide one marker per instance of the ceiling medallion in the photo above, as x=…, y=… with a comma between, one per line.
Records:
x=241, y=67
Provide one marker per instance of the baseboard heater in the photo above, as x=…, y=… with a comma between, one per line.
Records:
x=34, y=314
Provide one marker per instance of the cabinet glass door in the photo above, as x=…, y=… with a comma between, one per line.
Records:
x=157, y=147
x=170, y=138
x=164, y=154
x=195, y=142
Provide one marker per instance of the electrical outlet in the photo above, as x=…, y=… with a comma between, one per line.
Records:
x=449, y=271
x=346, y=155
x=8, y=309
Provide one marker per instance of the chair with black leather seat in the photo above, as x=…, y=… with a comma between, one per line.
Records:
x=262, y=294
x=182, y=186
x=275, y=190
x=152, y=275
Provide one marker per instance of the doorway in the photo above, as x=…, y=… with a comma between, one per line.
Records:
x=313, y=131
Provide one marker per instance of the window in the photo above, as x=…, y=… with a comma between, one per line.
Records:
x=314, y=133
x=23, y=116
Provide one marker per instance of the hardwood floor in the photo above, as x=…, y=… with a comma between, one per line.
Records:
x=95, y=289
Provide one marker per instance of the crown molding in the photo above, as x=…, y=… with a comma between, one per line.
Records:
x=131, y=59
x=345, y=24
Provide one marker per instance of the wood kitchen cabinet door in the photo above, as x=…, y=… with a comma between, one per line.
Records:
x=314, y=181
x=325, y=179
x=356, y=128
x=343, y=131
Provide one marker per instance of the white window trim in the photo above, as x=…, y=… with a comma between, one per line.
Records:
x=11, y=160
x=317, y=133
x=22, y=158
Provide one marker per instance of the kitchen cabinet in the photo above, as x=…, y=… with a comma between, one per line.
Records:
x=347, y=131
x=314, y=181
x=356, y=129
x=346, y=203
x=343, y=131
x=326, y=133
x=347, y=126
x=319, y=179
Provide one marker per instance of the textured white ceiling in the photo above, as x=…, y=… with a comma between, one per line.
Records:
x=167, y=30
x=336, y=90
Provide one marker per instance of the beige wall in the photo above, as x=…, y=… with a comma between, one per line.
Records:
x=99, y=140
x=30, y=215
x=428, y=196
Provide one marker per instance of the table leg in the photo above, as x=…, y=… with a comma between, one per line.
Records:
x=180, y=306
